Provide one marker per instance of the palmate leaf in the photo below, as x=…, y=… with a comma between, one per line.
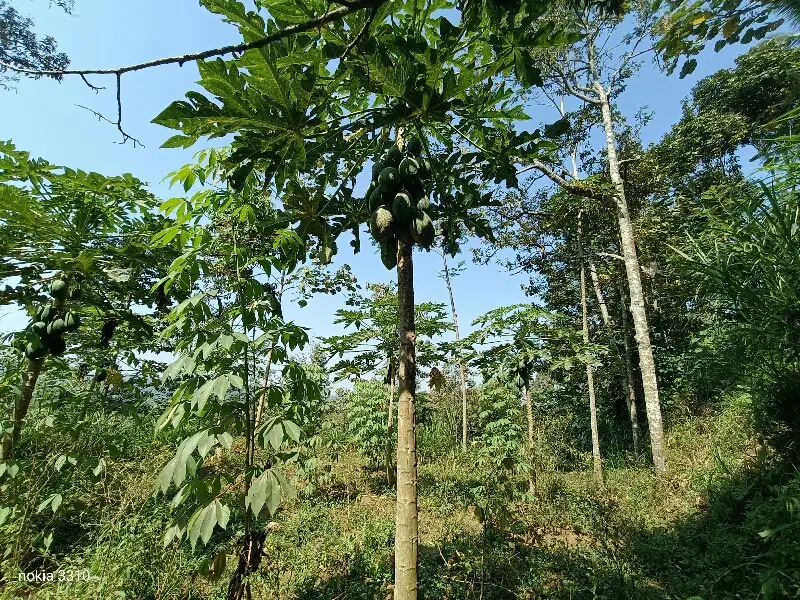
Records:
x=202, y=523
x=265, y=490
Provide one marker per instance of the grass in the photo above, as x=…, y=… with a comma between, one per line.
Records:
x=692, y=534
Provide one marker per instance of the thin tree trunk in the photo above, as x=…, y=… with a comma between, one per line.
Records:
x=598, y=464
x=462, y=368
x=265, y=392
x=21, y=405
x=599, y=293
x=630, y=391
x=407, y=527
x=529, y=413
x=391, y=476
x=638, y=311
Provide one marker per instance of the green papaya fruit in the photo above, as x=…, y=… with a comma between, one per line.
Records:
x=39, y=328
x=56, y=328
x=389, y=252
x=71, y=321
x=401, y=208
x=377, y=167
x=58, y=289
x=422, y=230
x=101, y=375
x=423, y=203
x=389, y=180
x=75, y=293
x=393, y=156
x=409, y=170
x=414, y=147
x=382, y=224
x=56, y=345
x=46, y=314
x=424, y=168
x=375, y=199
x=34, y=351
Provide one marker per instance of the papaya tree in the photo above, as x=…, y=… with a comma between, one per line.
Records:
x=72, y=254
x=373, y=346
x=405, y=84
x=516, y=344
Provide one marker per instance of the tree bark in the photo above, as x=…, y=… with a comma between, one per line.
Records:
x=637, y=307
x=531, y=451
x=597, y=461
x=265, y=392
x=391, y=479
x=462, y=368
x=601, y=302
x=21, y=405
x=407, y=527
x=630, y=391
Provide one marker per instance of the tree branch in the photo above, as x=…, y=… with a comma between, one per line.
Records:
x=571, y=187
x=328, y=17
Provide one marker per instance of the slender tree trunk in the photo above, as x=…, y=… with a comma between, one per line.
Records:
x=21, y=405
x=599, y=293
x=407, y=527
x=529, y=413
x=265, y=392
x=638, y=311
x=391, y=478
x=630, y=391
x=598, y=463
x=461, y=367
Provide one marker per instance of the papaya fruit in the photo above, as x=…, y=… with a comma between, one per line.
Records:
x=75, y=293
x=409, y=170
x=382, y=224
x=377, y=167
x=423, y=203
x=402, y=208
x=56, y=328
x=58, y=289
x=414, y=147
x=389, y=180
x=56, y=345
x=101, y=375
x=375, y=199
x=46, y=314
x=389, y=253
x=34, y=351
x=71, y=321
x=393, y=156
x=424, y=168
x=422, y=230
x=39, y=328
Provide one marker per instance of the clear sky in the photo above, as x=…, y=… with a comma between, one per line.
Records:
x=43, y=118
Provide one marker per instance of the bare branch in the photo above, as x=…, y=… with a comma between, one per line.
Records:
x=323, y=19
x=93, y=87
x=570, y=186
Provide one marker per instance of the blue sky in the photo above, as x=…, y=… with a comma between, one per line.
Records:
x=43, y=118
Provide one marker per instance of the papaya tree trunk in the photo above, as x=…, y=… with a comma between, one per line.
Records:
x=407, y=527
x=391, y=478
x=461, y=367
x=630, y=391
x=647, y=364
x=21, y=405
x=597, y=461
x=531, y=450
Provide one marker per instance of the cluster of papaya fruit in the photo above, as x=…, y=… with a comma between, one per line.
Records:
x=398, y=199
x=521, y=372
x=53, y=321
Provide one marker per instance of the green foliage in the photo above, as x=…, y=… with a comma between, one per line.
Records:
x=367, y=413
